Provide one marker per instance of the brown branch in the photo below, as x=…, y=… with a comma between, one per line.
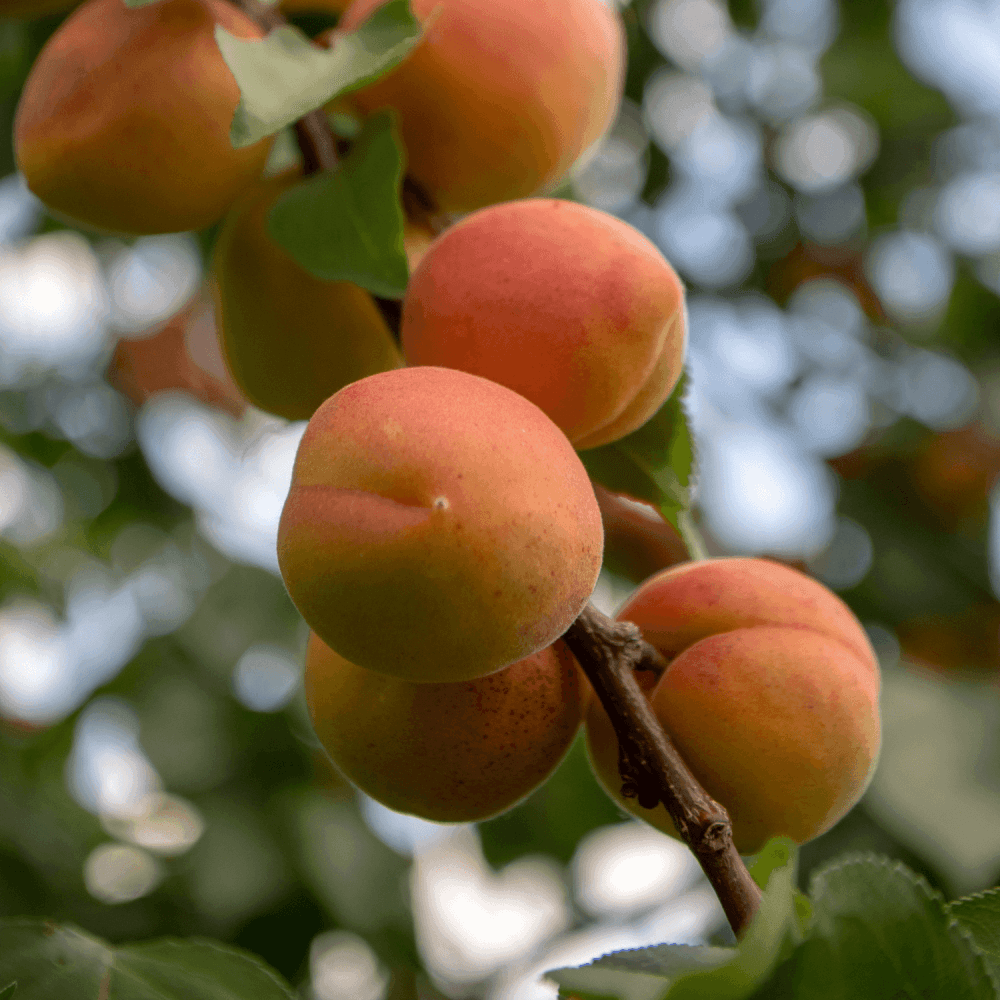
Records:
x=422, y=208
x=652, y=770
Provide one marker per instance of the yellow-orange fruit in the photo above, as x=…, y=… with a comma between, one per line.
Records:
x=183, y=354
x=454, y=753
x=501, y=96
x=438, y=527
x=565, y=304
x=290, y=339
x=771, y=696
x=123, y=123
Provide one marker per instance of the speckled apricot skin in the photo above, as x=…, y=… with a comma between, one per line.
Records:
x=500, y=97
x=123, y=123
x=291, y=340
x=454, y=753
x=771, y=696
x=565, y=304
x=439, y=527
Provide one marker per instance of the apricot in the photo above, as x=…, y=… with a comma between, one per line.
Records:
x=439, y=526
x=771, y=696
x=123, y=123
x=184, y=353
x=500, y=97
x=290, y=339
x=565, y=304
x=454, y=753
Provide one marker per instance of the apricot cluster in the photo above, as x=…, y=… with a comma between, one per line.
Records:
x=441, y=533
x=770, y=695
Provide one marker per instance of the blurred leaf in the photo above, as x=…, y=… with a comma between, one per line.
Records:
x=656, y=463
x=933, y=767
x=347, y=225
x=879, y=930
x=777, y=853
x=285, y=76
x=65, y=962
x=554, y=818
x=980, y=916
x=8, y=991
x=356, y=876
x=684, y=972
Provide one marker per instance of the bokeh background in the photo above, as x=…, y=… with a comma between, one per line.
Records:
x=826, y=177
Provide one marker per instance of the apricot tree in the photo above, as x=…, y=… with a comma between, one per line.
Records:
x=442, y=536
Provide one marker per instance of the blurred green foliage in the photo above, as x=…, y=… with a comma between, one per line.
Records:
x=285, y=853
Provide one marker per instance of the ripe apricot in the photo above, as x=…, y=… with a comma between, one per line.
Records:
x=438, y=527
x=455, y=752
x=771, y=696
x=500, y=97
x=124, y=120
x=565, y=304
x=183, y=354
x=290, y=339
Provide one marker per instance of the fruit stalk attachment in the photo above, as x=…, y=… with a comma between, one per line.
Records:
x=652, y=770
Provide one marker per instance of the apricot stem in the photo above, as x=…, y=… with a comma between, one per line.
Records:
x=651, y=768
x=642, y=538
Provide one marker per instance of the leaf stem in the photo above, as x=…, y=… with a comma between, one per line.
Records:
x=651, y=768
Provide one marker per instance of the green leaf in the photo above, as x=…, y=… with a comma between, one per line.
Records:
x=656, y=463
x=879, y=930
x=284, y=76
x=979, y=915
x=683, y=972
x=54, y=962
x=347, y=225
x=8, y=991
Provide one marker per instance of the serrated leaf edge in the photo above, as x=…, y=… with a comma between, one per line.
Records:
x=983, y=894
x=920, y=882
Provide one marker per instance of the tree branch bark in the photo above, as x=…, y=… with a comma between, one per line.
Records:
x=652, y=770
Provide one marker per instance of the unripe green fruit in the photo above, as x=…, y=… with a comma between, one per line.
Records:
x=291, y=340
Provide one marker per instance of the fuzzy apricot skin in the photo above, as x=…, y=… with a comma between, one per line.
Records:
x=123, y=123
x=771, y=696
x=565, y=304
x=500, y=97
x=291, y=340
x=454, y=753
x=438, y=527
